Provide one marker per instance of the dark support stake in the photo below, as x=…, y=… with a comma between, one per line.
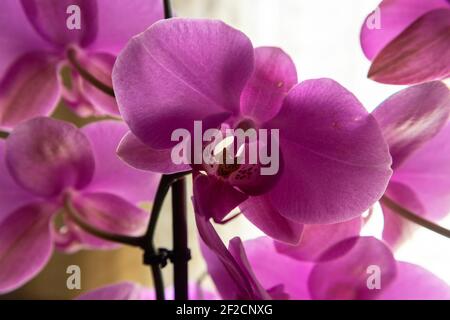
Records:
x=181, y=254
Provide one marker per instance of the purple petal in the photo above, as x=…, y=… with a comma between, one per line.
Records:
x=347, y=276
x=29, y=88
x=411, y=117
x=191, y=69
x=17, y=36
x=111, y=174
x=396, y=228
x=227, y=274
x=316, y=239
x=100, y=66
x=25, y=244
x=12, y=196
x=107, y=212
x=45, y=156
x=415, y=283
x=274, y=75
x=262, y=214
x=50, y=19
x=273, y=269
x=119, y=291
x=215, y=198
x=396, y=16
x=112, y=36
x=426, y=173
x=420, y=53
x=336, y=162
x=140, y=156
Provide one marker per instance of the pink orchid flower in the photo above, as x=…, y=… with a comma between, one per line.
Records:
x=408, y=41
x=43, y=164
x=334, y=161
x=37, y=45
x=134, y=291
x=415, y=124
x=256, y=270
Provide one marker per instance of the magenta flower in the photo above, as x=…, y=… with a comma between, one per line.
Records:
x=334, y=163
x=408, y=41
x=415, y=125
x=37, y=42
x=133, y=291
x=46, y=164
x=342, y=272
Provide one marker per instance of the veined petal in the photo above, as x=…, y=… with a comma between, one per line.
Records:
x=411, y=117
x=25, y=244
x=138, y=155
x=419, y=54
x=51, y=20
x=273, y=76
x=336, y=163
x=395, y=16
x=29, y=88
x=111, y=174
x=191, y=69
x=45, y=156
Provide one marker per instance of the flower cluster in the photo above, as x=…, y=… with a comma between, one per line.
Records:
x=73, y=188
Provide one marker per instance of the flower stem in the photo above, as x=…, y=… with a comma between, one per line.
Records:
x=413, y=217
x=148, y=239
x=181, y=253
x=76, y=217
x=86, y=75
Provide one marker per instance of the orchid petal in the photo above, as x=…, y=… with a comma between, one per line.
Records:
x=395, y=17
x=419, y=54
x=109, y=213
x=12, y=196
x=191, y=69
x=138, y=155
x=262, y=214
x=347, y=276
x=274, y=75
x=411, y=117
x=336, y=163
x=45, y=156
x=415, y=283
x=426, y=173
x=30, y=88
x=50, y=19
x=25, y=244
x=111, y=174
x=215, y=198
x=316, y=239
x=113, y=36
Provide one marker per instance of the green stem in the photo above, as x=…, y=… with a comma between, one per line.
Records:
x=413, y=217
